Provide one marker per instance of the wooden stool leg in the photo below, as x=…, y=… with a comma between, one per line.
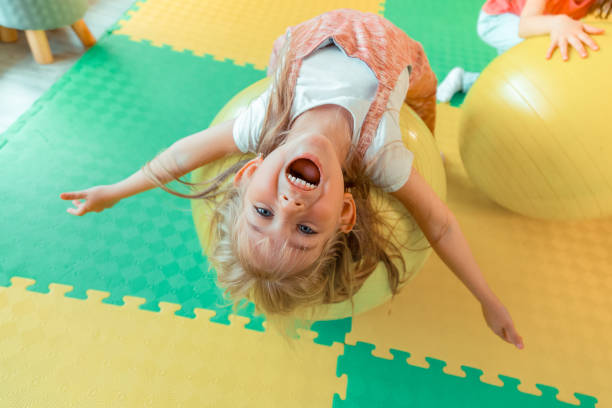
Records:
x=8, y=34
x=39, y=46
x=80, y=28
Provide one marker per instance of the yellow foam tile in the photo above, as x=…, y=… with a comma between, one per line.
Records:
x=62, y=352
x=554, y=277
x=242, y=31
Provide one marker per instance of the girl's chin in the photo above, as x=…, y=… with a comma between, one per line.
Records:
x=316, y=142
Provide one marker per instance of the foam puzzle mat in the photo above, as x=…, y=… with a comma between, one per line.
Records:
x=105, y=356
x=119, y=309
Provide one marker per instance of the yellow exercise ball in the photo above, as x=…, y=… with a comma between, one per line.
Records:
x=375, y=290
x=535, y=133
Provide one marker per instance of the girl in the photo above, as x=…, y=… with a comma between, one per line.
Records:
x=504, y=23
x=298, y=215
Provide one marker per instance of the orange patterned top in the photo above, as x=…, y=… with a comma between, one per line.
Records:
x=385, y=48
x=574, y=8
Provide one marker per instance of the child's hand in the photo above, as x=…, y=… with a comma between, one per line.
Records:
x=97, y=199
x=567, y=31
x=499, y=320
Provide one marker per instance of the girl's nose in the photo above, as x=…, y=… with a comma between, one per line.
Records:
x=291, y=202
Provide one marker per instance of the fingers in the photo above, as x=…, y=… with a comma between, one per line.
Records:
x=592, y=30
x=73, y=195
x=585, y=38
x=73, y=211
x=76, y=211
x=80, y=208
x=577, y=44
x=509, y=334
x=512, y=336
x=563, y=49
x=551, y=50
x=576, y=36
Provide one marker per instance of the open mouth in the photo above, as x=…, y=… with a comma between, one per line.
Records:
x=304, y=174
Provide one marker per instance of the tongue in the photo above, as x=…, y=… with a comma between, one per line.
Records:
x=306, y=170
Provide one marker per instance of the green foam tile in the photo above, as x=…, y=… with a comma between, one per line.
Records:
x=377, y=382
x=120, y=104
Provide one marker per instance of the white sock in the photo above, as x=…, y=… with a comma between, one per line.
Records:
x=468, y=80
x=452, y=84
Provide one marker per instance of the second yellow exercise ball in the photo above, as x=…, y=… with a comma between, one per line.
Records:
x=375, y=290
x=535, y=134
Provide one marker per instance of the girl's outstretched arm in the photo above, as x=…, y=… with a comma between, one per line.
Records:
x=564, y=31
x=183, y=156
x=442, y=230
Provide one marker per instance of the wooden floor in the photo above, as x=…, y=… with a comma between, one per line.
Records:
x=22, y=80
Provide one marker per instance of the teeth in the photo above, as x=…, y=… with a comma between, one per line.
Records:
x=298, y=180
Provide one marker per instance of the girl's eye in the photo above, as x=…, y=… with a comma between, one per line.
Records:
x=305, y=229
x=263, y=212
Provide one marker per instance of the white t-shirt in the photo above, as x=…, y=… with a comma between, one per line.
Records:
x=329, y=77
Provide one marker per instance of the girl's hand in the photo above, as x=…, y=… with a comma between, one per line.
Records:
x=499, y=320
x=567, y=31
x=97, y=199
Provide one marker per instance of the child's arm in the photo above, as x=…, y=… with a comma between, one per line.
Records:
x=179, y=159
x=442, y=230
x=563, y=29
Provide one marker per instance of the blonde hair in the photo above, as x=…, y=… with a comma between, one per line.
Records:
x=346, y=261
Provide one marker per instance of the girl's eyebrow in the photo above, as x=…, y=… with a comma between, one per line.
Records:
x=290, y=244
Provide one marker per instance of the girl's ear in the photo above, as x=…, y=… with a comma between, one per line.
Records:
x=348, y=216
x=247, y=170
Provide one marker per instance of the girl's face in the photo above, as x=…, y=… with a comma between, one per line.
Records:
x=296, y=197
